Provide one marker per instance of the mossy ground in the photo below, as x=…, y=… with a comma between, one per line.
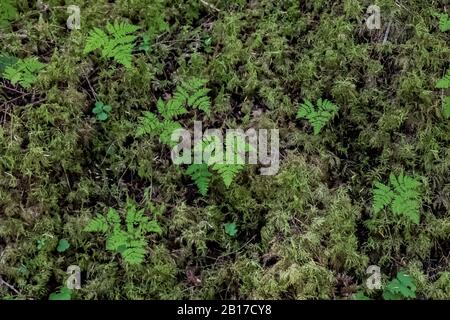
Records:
x=308, y=232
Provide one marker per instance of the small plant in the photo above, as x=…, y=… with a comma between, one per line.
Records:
x=8, y=13
x=130, y=241
x=403, y=197
x=402, y=287
x=201, y=176
x=227, y=169
x=24, y=72
x=63, y=294
x=63, y=245
x=186, y=95
x=317, y=117
x=230, y=229
x=101, y=111
x=444, y=22
x=118, y=45
x=444, y=83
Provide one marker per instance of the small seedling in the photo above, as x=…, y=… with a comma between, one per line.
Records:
x=63, y=294
x=101, y=111
x=63, y=245
x=231, y=229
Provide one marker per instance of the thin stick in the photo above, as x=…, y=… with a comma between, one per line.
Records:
x=209, y=5
x=9, y=286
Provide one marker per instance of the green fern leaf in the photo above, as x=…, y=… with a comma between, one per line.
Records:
x=8, y=13
x=228, y=172
x=404, y=199
x=319, y=117
x=446, y=107
x=24, y=72
x=169, y=127
x=201, y=176
x=444, y=83
x=148, y=124
x=172, y=108
x=382, y=196
x=98, y=224
x=118, y=45
x=444, y=22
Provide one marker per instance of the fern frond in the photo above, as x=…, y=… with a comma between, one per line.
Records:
x=201, y=176
x=168, y=127
x=8, y=12
x=228, y=172
x=97, y=39
x=444, y=22
x=444, y=83
x=135, y=251
x=382, y=196
x=118, y=45
x=98, y=224
x=326, y=110
x=148, y=124
x=24, y=71
x=172, y=108
x=446, y=107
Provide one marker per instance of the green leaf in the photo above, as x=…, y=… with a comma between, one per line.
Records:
x=317, y=117
x=360, y=296
x=98, y=107
x=107, y=108
x=444, y=83
x=23, y=72
x=118, y=45
x=444, y=22
x=201, y=176
x=63, y=294
x=230, y=229
x=446, y=107
x=102, y=116
x=228, y=172
x=63, y=245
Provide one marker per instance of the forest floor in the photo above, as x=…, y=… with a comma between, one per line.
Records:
x=87, y=177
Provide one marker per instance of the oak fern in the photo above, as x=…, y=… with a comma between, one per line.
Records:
x=201, y=176
x=444, y=83
x=7, y=12
x=444, y=23
x=130, y=241
x=317, y=117
x=23, y=72
x=403, y=197
x=228, y=171
x=192, y=93
x=118, y=44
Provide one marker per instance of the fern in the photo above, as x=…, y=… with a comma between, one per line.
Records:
x=151, y=125
x=118, y=45
x=201, y=176
x=192, y=93
x=383, y=196
x=6, y=61
x=8, y=13
x=444, y=83
x=173, y=108
x=228, y=171
x=403, y=197
x=444, y=23
x=400, y=287
x=24, y=72
x=130, y=242
x=317, y=117
x=446, y=107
